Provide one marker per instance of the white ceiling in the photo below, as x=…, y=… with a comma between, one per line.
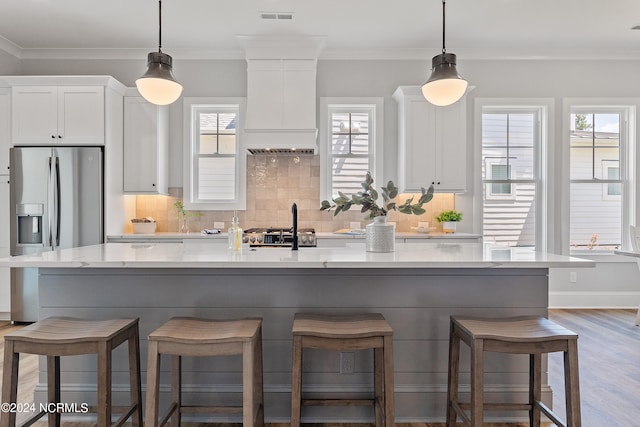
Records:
x=476, y=29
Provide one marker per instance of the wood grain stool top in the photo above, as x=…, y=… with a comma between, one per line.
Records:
x=514, y=329
x=341, y=326
x=66, y=330
x=191, y=330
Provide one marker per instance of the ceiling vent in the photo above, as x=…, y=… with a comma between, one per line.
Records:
x=276, y=16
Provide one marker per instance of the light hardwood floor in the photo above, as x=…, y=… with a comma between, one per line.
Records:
x=609, y=349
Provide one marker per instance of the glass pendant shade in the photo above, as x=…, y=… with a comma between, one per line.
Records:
x=158, y=85
x=445, y=86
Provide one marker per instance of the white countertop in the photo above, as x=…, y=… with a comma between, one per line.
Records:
x=321, y=235
x=195, y=254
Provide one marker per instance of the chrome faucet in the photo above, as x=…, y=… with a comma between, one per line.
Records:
x=294, y=229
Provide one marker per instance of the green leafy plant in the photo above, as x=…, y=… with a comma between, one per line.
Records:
x=449, y=216
x=369, y=196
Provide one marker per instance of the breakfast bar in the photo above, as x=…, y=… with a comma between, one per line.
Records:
x=417, y=288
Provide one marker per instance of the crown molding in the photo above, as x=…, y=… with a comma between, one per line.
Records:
x=422, y=54
x=10, y=47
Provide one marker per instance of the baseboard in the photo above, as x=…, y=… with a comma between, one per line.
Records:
x=628, y=300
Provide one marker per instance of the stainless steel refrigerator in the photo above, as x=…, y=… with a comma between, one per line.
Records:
x=56, y=203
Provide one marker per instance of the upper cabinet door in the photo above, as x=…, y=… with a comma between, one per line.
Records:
x=72, y=115
x=432, y=143
x=81, y=115
x=34, y=114
x=145, y=147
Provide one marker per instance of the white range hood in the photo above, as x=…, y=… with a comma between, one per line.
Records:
x=281, y=96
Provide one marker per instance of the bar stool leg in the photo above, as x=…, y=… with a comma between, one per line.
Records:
x=454, y=369
x=296, y=381
x=378, y=380
x=389, y=387
x=176, y=390
x=53, y=388
x=248, y=398
x=153, y=385
x=9, y=383
x=535, y=388
x=258, y=381
x=133, y=345
x=572, y=384
x=477, y=383
x=104, y=384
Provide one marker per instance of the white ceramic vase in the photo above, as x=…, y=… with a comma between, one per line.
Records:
x=449, y=226
x=380, y=236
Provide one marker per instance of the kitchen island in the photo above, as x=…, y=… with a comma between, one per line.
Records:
x=416, y=288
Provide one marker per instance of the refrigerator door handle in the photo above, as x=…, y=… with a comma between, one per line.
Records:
x=50, y=203
x=56, y=204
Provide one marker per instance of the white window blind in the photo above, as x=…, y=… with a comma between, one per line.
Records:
x=351, y=147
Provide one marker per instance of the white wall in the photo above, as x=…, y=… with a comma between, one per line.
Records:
x=9, y=64
x=491, y=78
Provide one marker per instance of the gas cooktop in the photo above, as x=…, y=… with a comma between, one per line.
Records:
x=279, y=237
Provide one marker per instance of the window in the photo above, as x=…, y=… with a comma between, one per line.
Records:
x=350, y=145
x=597, y=144
x=214, y=163
x=511, y=164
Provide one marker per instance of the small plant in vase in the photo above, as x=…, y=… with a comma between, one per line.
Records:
x=380, y=235
x=449, y=219
x=184, y=215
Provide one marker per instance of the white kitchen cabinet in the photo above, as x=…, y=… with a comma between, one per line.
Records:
x=432, y=143
x=5, y=276
x=282, y=93
x=70, y=115
x=145, y=147
x=5, y=136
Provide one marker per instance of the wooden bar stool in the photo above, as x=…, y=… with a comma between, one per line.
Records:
x=518, y=335
x=62, y=336
x=349, y=332
x=187, y=336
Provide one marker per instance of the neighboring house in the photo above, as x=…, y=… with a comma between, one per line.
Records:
x=509, y=210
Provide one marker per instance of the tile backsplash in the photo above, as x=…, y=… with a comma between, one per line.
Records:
x=273, y=184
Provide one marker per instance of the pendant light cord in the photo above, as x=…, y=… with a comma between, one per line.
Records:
x=444, y=49
x=159, y=25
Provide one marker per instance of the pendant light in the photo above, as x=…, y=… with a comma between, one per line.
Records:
x=445, y=86
x=158, y=85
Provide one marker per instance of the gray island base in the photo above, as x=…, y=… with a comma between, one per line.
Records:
x=416, y=288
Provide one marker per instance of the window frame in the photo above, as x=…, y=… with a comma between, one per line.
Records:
x=627, y=108
x=191, y=154
x=543, y=162
x=374, y=105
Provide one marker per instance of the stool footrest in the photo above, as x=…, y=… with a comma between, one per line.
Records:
x=549, y=413
x=461, y=413
x=125, y=416
x=338, y=402
x=33, y=419
x=211, y=409
x=500, y=406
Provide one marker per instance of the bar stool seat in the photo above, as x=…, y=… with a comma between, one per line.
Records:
x=346, y=332
x=531, y=335
x=63, y=336
x=189, y=336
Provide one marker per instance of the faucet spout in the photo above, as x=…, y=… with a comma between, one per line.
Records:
x=294, y=229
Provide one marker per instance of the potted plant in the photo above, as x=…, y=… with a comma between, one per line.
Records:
x=449, y=219
x=380, y=236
